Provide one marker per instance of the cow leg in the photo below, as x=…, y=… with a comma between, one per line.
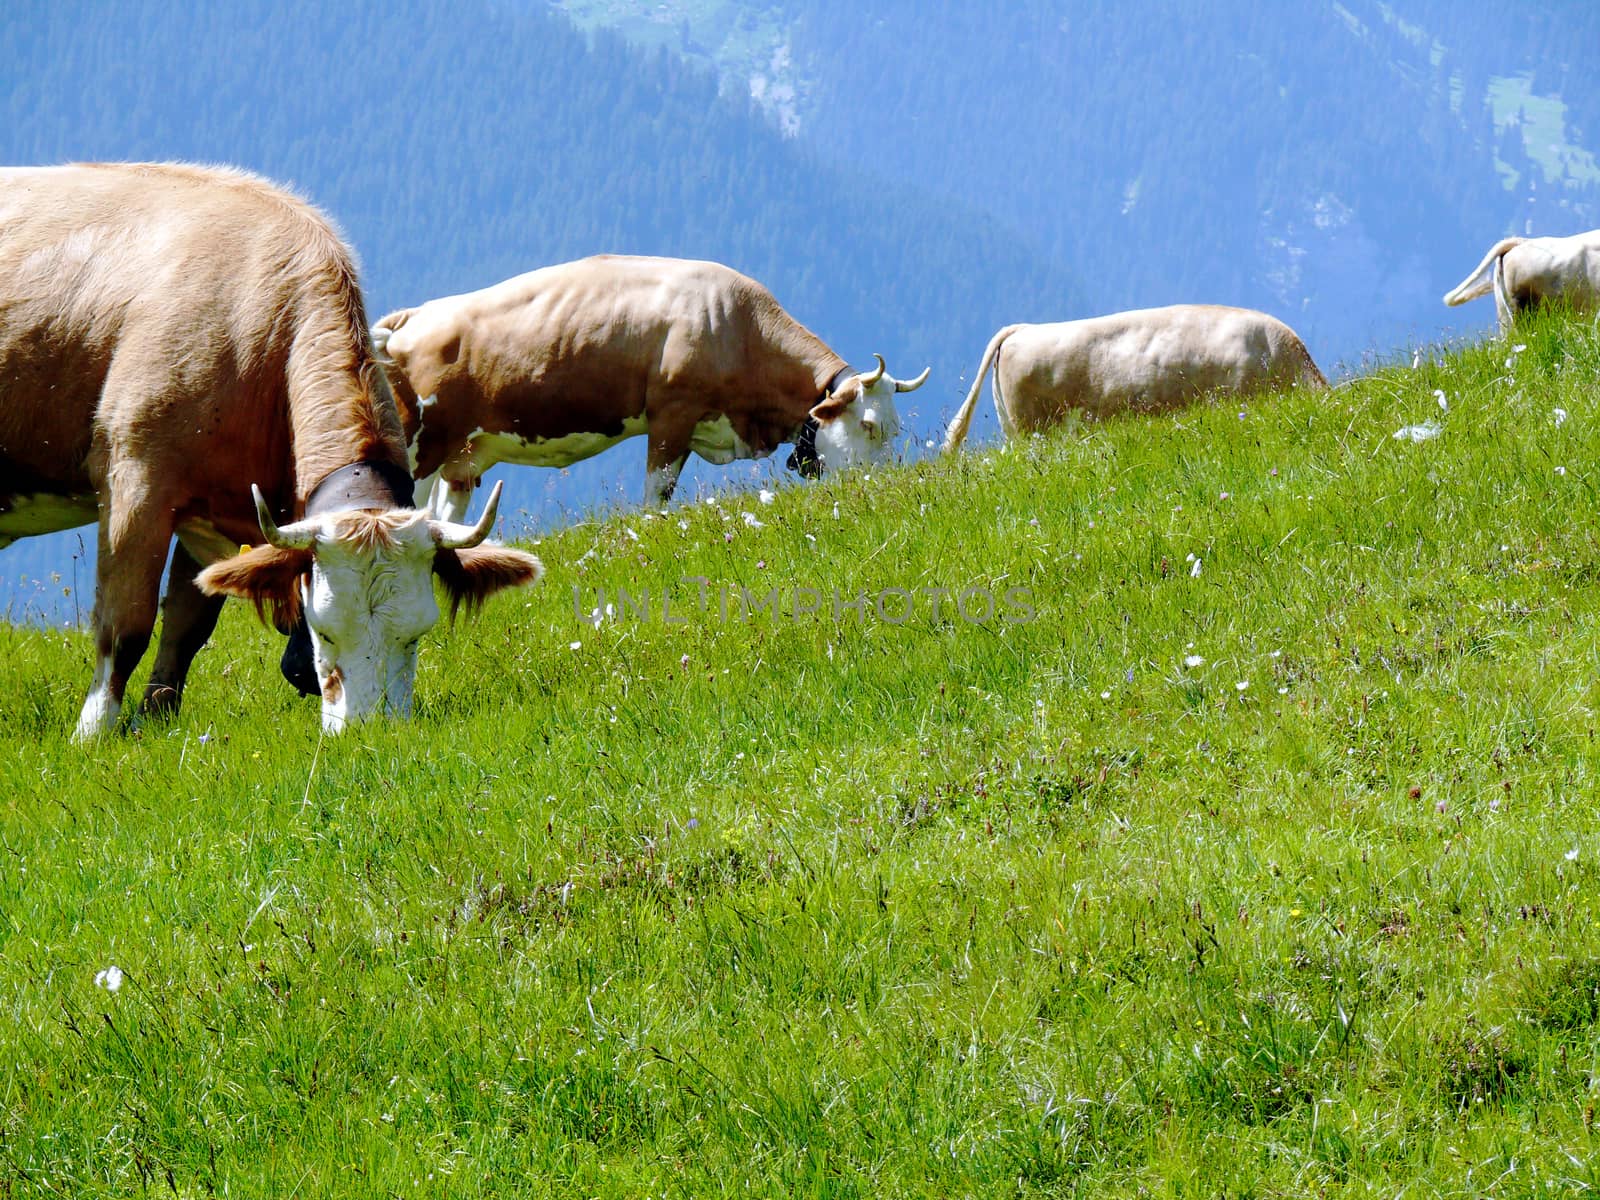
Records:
x=661, y=480
x=187, y=619
x=134, y=536
x=454, y=494
x=669, y=450
x=299, y=661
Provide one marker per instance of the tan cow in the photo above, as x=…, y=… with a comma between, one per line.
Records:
x=169, y=337
x=561, y=363
x=1147, y=360
x=1525, y=272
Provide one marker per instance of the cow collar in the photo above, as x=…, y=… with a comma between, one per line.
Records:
x=804, y=458
x=379, y=485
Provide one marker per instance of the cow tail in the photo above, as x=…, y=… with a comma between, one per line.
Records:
x=384, y=329
x=1502, y=302
x=1479, y=282
x=956, y=433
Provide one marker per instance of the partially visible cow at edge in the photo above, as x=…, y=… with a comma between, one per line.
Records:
x=1525, y=272
x=169, y=337
x=556, y=365
x=1146, y=360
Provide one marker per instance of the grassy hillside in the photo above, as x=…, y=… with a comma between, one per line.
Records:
x=1275, y=875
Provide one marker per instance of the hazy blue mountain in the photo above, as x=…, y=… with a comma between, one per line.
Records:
x=458, y=144
x=1341, y=164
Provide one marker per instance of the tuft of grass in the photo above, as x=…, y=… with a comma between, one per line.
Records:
x=1272, y=876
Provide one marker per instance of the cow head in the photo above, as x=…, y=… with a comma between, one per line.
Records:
x=857, y=421
x=364, y=582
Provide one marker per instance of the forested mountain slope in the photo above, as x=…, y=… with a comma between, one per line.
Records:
x=459, y=144
x=1339, y=162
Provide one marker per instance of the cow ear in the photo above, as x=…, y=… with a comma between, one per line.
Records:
x=472, y=575
x=267, y=576
x=831, y=408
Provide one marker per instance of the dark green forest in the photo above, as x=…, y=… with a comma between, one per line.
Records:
x=459, y=144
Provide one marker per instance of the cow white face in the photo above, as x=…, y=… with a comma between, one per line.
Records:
x=364, y=581
x=367, y=601
x=857, y=423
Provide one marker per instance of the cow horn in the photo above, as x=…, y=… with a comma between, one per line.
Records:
x=911, y=385
x=448, y=535
x=380, y=335
x=867, y=380
x=298, y=536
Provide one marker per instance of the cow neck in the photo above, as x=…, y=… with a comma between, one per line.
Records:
x=379, y=485
x=804, y=458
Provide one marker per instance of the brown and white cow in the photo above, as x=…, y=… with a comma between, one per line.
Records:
x=561, y=363
x=1146, y=360
x=1525, y=272
x=170, y=336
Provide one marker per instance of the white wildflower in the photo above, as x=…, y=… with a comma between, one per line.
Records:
x=1427, y=431
x=1561, y=470
x=1571, y=856
x=1444, y=401
x=1560, y=415
x=111, y=977
x=766, y=495
x=1194, y=571
x=753, y=521
x=575, y=646
x=1242, y=685
x=1193, y=660
x=1105, y=695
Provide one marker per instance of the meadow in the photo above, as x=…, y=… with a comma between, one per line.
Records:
x=1251, y=849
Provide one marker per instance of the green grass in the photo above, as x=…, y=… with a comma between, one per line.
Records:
x=841, y=907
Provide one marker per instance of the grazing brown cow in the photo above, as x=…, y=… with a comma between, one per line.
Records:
x=1525, y=272
x=561, y=363
x=1145, y=360
x=170, y=336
